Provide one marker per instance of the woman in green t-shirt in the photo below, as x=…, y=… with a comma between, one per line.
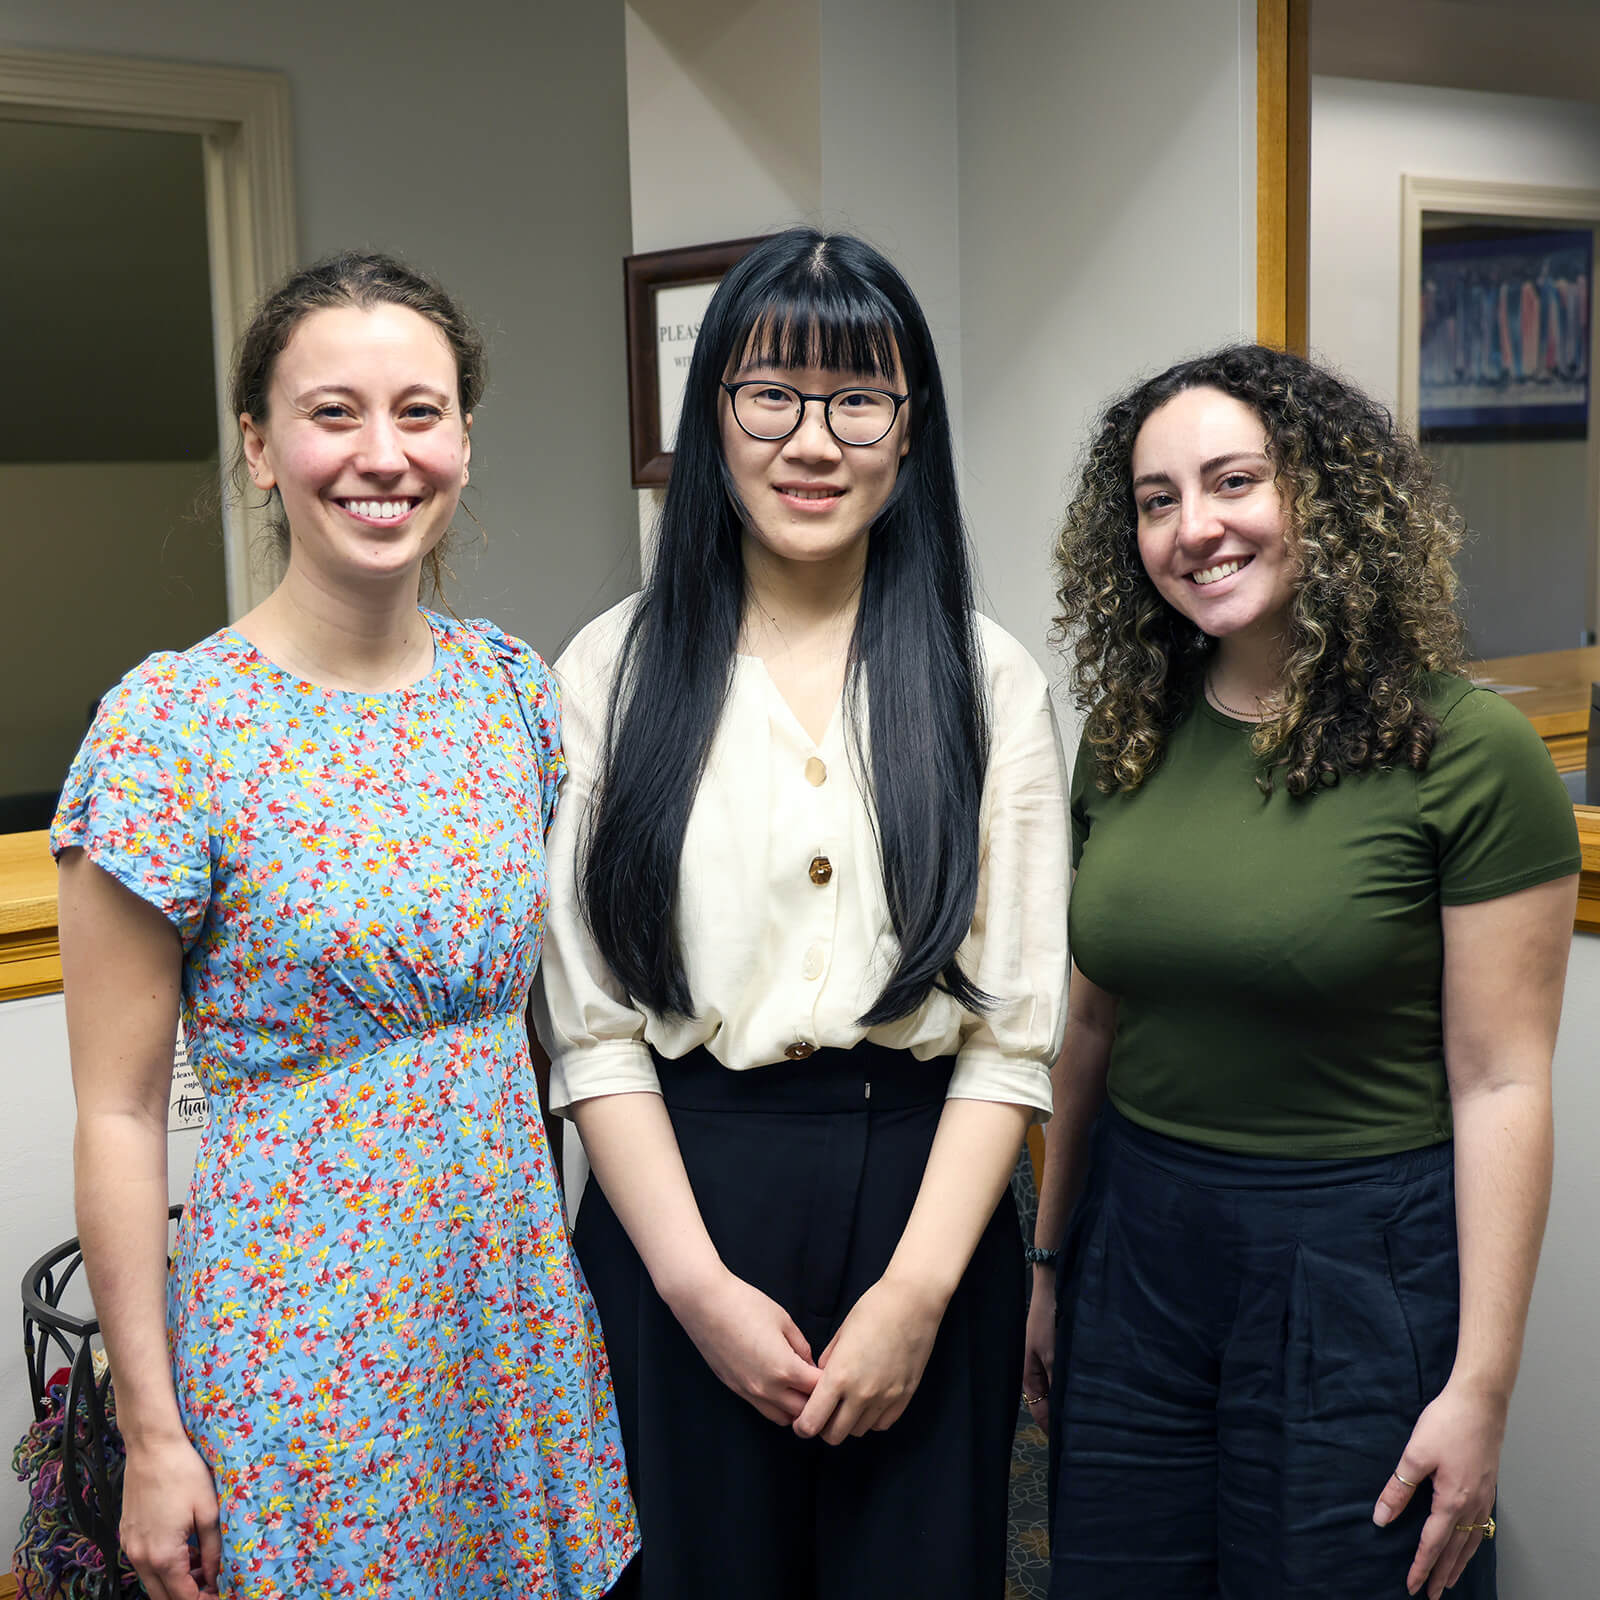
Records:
x=1323, y=900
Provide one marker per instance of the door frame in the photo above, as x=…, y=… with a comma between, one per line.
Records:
x=242, y=119
x=1283, y=171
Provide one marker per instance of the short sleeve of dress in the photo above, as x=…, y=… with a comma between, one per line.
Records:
x=538, y=702
x=1500, y=816
x=137, y=799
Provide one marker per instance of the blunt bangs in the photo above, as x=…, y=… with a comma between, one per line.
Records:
x=811, y=319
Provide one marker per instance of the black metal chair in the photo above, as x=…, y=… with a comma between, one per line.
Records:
x=51, y=1338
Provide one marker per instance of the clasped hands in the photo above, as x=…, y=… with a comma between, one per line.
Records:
x=863, y=1381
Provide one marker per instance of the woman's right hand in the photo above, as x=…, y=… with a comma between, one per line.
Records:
x=1039, y=1348
x=167, y=1496
x=752, y=1345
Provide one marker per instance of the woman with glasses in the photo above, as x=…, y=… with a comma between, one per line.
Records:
x=1320, y=923
x=805, y=966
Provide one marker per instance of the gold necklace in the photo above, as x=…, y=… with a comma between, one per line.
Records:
x=1233, y=711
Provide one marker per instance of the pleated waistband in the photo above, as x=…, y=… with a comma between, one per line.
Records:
x=866, y=1077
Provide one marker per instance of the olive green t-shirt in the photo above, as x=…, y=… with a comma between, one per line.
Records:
x=1277, y=961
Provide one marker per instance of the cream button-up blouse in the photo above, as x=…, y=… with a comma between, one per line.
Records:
x=782, y=917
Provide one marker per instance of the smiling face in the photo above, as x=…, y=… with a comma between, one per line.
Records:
x=1212, y=522
x=363, y=440
x=809, y=498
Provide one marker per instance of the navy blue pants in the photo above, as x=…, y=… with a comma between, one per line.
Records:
x=1242, y=1348
x=805, y=1181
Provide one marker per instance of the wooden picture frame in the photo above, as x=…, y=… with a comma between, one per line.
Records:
x=666, y=292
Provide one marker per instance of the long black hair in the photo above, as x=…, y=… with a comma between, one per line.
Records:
x=800, y=299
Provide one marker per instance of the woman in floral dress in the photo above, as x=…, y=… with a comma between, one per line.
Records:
x=320, y=835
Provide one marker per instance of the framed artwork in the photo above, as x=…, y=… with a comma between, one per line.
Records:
x=667, y=294
x=1505, y=333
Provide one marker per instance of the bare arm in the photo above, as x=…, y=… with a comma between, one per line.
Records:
x=874, y=1363
x=746, y=1337
x=122, y=966
x=1505, y=963
x=1077, y=1088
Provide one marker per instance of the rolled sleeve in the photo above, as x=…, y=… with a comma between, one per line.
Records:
x=1017, y=950
x=592, y=1032
x=985, y=1074
x=615, y=1066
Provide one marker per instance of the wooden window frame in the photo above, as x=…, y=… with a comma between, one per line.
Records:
x=242, y=119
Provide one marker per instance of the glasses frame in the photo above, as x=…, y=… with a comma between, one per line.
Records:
x=826, y=401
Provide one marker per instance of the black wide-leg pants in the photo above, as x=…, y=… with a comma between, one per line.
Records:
x=1243, y=1346
x=805, y=1175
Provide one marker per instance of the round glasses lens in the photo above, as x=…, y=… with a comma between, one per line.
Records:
x=861, y=416
x=767, y=410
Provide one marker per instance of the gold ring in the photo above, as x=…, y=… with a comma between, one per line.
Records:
x=1406, y=1481
x=1485, y=1528
x=1031, y=1399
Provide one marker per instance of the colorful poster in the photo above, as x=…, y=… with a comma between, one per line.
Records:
x=1505, y=335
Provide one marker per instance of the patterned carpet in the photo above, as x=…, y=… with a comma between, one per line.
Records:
x=1028, y=1554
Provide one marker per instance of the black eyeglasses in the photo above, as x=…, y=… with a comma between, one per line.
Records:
x=772, y=411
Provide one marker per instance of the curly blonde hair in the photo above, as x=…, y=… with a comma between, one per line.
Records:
x=1371, y=535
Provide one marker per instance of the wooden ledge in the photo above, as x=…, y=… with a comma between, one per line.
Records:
x=1552, y=691
x=1588, y=819
x=30, y=955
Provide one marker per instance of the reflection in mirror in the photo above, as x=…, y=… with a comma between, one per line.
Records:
x=108, y=431
x=1444, y=139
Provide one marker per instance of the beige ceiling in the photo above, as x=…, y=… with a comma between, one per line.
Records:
x=1536, y=47
x=104, y=296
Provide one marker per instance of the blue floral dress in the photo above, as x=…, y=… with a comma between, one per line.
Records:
x=381, y=1340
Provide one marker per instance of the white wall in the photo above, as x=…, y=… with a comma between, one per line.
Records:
x=723, y=116
x=1550, y=1472
x=1107, y=176
x=36, y=1200
x=116, y=562
x=488, y=143
x=890, y=170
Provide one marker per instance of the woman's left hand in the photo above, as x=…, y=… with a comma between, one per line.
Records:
x=873, y=1364
x=1456, y=1443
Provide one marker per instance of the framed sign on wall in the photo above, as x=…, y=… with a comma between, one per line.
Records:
x=667, y=292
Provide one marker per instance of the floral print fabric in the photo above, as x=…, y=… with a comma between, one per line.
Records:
x=382, y=1342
